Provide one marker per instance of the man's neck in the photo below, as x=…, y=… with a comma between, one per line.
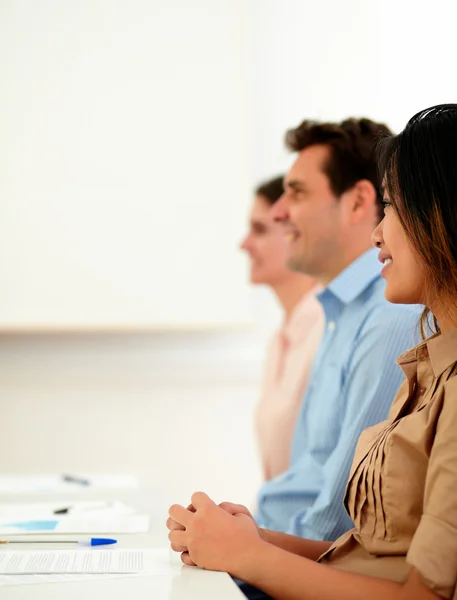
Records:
x=342, y=263
x=290, y=292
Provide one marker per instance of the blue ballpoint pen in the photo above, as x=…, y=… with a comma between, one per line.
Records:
x=90, y=542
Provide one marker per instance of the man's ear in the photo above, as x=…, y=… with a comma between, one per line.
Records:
x=363, y=200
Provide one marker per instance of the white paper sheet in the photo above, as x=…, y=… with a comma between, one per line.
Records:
x=8, y=580
x=152, y=561
x=13, y=484
x=46, y=510
x=77, y=524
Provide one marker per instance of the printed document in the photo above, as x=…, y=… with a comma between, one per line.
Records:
x=29, y=562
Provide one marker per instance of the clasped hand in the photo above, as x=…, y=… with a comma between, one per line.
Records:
x=220, y=537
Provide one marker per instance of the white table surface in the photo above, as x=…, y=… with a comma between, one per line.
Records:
x=185, y=583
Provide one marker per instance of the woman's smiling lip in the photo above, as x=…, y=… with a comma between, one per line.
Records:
x=386, y=260
x=382, y=257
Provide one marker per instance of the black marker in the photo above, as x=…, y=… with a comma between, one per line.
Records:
x=73, y=479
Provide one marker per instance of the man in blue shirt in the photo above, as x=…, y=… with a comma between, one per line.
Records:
x=331, y=205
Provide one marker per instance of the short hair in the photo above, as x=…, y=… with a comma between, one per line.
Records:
x=352, y=144
x=271, y=190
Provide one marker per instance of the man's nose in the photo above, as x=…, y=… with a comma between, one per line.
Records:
x=245, y=243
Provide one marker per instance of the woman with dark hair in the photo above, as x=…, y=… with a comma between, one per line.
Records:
x=402, y=490
x=293, y=347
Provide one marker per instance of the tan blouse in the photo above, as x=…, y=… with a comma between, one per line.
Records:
x=402, y=489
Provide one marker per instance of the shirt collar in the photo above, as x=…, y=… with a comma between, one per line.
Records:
x=440, y=348
x=355, y=278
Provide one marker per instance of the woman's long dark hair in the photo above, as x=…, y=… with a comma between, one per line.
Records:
x=419, y=170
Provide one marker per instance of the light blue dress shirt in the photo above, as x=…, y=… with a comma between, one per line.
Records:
x=352, y=385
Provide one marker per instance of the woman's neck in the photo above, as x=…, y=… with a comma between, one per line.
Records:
x=290, y=292
x=446, y=317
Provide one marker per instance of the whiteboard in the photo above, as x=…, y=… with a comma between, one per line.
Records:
x=125, y=163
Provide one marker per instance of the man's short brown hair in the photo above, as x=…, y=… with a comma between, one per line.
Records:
x=352, y=146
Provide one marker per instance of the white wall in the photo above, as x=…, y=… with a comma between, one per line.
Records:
x=383, y=59
x=126, y=151
x=125, y=163
x=174, y=408
x=178, y=407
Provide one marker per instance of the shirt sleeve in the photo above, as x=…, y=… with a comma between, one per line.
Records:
x=433, y=551
x=262, y=410
x=372, y=379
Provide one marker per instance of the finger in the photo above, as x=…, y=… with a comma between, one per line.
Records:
x=178, y=548
x=229, y=507
x=187, y=560
x=180, y=514
x=200, y=499
x=234, y=509
x=191, y=508
x=172, y=524
x=178, y=537
x=249, y=520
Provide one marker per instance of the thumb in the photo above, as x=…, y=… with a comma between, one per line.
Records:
x=200, y=499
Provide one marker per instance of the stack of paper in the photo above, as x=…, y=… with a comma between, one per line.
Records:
x=153, y=561
x=24, y=566
x=13, y=484
x=71, y=517
x=45, y=510
x=123, y=524
x=67, y=565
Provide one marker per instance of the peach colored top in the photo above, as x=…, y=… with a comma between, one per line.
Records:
x=287, y=369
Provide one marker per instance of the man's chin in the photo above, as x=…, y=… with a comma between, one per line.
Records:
x=295, y=263
x=256, y=279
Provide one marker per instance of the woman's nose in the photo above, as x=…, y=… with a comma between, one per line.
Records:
x=376, y=236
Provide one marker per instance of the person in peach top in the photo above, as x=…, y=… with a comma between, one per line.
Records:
x=292, y=348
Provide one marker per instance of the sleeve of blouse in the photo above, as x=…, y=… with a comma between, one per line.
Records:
x=433, y=551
